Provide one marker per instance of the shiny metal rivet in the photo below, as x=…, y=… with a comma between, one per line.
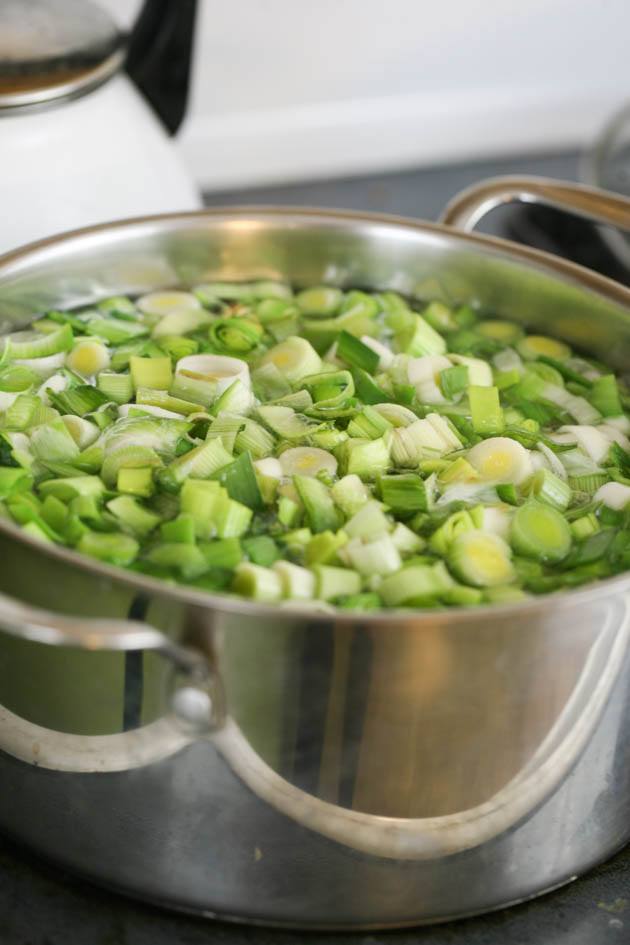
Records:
x=193, y=706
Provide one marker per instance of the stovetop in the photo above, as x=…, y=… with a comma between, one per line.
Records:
x=39, y=905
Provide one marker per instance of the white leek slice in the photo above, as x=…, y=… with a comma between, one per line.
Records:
x=590, y=441
x=398, y=369
x=369, y=522
x=584, y=368
x=180, y=322
x=424, y=374
x=7, y=398
x=54, y=442
x=162, y=303
x=428, y=435
x=216, y=367
x=18, y=441
x=307, y=461
x=538, y=460
x=350, y=493
x=426, y=368
x=55, y=383
x=620, y=423
x=553, y=462
x=153, y=433
x=285, y=421
x=500, y=459
x=444, y=429
x=295, y=358
x=379, y=556
x=405, y=539
x=269, y=467
x=408, y=445
x=497, y=519
x=297, y=583
x=396, y=414
x=614, y=495
x=614, y=435
x=469, y=492
x=88, y=358
x=82, y=431
x=136, y=409
x=482, y=559
x=535, y=346
x=508, y=360
x=578, y=407
x=236, y=398
x=385, y=355
x=577, y=462
x=479, y=372
x=45, y=367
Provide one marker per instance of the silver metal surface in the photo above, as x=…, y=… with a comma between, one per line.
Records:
x=330, y=770
x=54, y=49
x=471, y=205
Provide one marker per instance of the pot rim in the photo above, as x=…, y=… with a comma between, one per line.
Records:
x=11, y=263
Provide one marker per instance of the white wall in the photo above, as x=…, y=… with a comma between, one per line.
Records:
x=292, y=89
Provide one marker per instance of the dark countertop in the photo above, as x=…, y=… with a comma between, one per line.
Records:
x=41, y=906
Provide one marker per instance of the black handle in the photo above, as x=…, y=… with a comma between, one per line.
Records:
x=159, y=56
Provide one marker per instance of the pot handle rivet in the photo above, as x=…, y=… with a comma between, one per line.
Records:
x=194, y=708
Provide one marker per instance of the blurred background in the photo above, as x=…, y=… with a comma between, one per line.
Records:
x=389, y=105
x=295, y=91
x=395, y=106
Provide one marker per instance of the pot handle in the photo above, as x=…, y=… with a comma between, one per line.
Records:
x=43, y=626
x=467, y=208
x=194, y=700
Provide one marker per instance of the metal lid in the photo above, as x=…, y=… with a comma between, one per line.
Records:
x=54, y=49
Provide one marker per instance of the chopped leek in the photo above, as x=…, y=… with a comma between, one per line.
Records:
x=307, y=461
x=113, y=548
x=379, y=556
x=350, y=493
x=332, y=583
x=404, y=493
x=319, y=301
x=29, y=345
x=500, y=459
x=550, y=489
x=257, y=582
x=131, y=515
x=356, y=448
x=540, y=532
x=536, y=346
x=420, y=339
x=318, y=503
x=151, y=372
x=188, y=561
x=295, y=358
x=356, y=353
x=296, y=583
x=88, y=358
x=481, y=558
x=485, y=408
x=419, y=584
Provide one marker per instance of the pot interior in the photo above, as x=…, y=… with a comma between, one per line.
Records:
x=308, y=247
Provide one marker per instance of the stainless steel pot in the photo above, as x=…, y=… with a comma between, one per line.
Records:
x=282, y=765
